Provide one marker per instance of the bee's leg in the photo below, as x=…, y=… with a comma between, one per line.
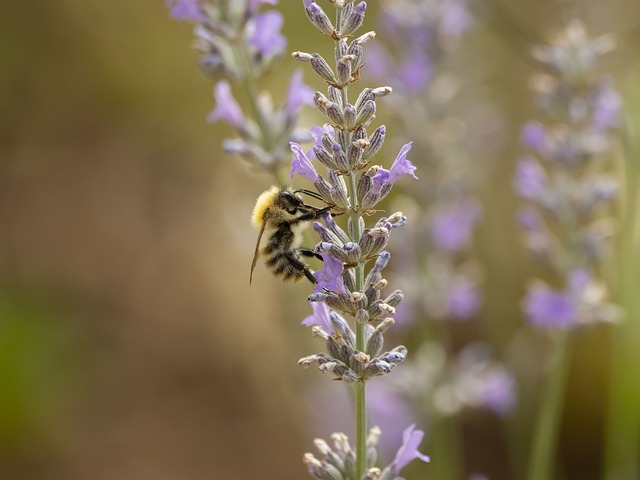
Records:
x=309, y=253
x=295, y=266
x=312, y=215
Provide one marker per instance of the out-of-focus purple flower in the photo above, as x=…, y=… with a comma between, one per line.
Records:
x=499, y=391
x=414, y=73
x=534, y=136
x=186, y=10
x=389, y=410
x=530, y=179
x=319, y=317
x=529, y=219
x=579, y=279
x=455, y=19
x=463, y=298
x=298, y=94
x=317, y=132
x=265, y=34
x=226, y=108
x=545, y=307
x=301, y=164
x=401, y=166
x=411, y=438
x=606, y=107
x=253, y=5
x=330, y=277
x=451, y=227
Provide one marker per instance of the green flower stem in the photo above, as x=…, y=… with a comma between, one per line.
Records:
x=361, y=408
x=545, y=440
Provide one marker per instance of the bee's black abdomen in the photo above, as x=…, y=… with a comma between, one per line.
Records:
x=288, y=265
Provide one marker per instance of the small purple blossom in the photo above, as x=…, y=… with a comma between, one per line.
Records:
x=226, y=108
x=319, y=317
x=530, y=179
x=411, y=438
x=301, y=164
x=186, y=10
x=401, y=166
x=534, y=136
x=455, y=19
x=529, y=219
x=265, y=34
x=330, y=277
x=499, y=391
x=546, y=307
x=606, y=107
x=463, y=298
x=298, y=94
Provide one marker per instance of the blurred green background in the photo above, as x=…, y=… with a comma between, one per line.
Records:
x=131, y=346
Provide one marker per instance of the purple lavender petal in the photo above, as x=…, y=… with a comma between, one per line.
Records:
x=545, y=307
x=579, y=279
x=401, y=166
x=186, y=10
x=298, y=94
x=301, y=164
x=330, y=277
x=226, y=108
x=319, y=317
x=265, y=34
x=530, y=179
x=411, y=438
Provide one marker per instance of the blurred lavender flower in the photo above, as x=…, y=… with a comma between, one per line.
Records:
x=240, y=44
x=563, y=196
x=411, y=439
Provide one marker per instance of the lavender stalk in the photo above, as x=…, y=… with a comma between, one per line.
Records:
x=345, y=286
x=565, y=224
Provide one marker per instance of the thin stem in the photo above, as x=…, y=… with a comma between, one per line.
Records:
x=545, y=440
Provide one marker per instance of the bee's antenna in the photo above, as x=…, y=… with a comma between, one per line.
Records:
x=315, y=195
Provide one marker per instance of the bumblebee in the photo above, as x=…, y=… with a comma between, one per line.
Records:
x=281, y=215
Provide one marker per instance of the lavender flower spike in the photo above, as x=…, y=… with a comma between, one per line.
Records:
x=226, y=106
x=301, y=164
x=411, y=438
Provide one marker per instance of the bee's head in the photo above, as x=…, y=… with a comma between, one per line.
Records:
x=289, y=201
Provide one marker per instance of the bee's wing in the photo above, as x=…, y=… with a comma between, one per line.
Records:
x=255, y=253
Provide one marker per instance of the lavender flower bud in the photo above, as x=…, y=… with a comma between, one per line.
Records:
x=322, y=68
x=386, y=324
x=354, y=154
x=397, y=355
x=334, y=112
x=365, y=95
x=344, y=70
x=362, y=39
x=341, y=325
x=324, y=189
x=375, y=142
x=335, y=96
x=353, y=253
x=373, y=240
x=321, y=102
x=326, y=158
x=353, y=20
x=367, y=113
x=302, y=56
x=357, y=51
x=319, y=19
x=376, y=367
x=395, y=298
x=343, y=138
x=382, y=91
x=317, y=297
x=326, y=235
x=341, y=49
x=334, y=349
x=339, y=190
x=362, y=316
x=349, y=117
x=375, y=343
x=350, y=226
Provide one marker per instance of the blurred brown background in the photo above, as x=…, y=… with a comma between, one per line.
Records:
x=131, y=346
